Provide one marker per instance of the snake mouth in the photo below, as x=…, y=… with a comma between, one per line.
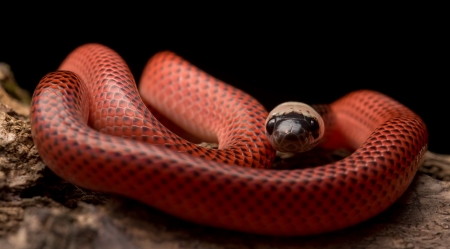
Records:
x=292, y=143
x=291, y=147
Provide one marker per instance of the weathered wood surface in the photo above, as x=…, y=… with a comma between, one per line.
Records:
x=40, y=210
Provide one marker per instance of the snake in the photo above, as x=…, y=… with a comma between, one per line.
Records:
x=95, y=128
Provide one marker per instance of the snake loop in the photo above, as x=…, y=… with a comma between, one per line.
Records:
x=92, y=129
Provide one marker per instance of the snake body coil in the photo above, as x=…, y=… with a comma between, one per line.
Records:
x=91, y=127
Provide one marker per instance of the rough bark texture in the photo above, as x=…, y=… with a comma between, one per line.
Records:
x=40, y=210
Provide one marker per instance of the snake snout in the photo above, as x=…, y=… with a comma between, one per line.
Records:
x=289, y=136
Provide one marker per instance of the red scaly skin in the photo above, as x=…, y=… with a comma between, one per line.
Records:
x=145, y=161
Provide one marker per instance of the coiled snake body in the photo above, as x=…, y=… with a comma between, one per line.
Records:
x=118, y=154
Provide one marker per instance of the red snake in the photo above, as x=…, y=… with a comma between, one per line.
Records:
x=91, y=127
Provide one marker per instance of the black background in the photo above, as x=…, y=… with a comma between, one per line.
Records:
x=314, y=59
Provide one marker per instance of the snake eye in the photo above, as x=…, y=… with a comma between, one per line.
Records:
x=270, y=126
x=314, y=127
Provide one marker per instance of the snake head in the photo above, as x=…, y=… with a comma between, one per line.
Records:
x=294, y=127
